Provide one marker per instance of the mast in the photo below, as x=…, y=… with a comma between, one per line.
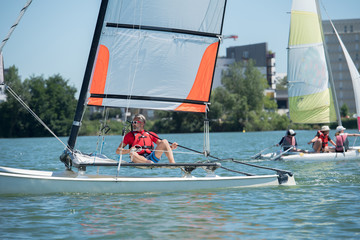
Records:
x=331, y=79
x=85, y=85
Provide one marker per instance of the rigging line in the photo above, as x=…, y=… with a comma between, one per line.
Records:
x=126, y=111
x=257, y=166
x=252, y=165
x=15, y=24
x=131, y=87
x=105, y=129
x=206, y=133
x=12, y=92
x=231, y=170
x=175, y=152
x=100, y=133
x=117, y=15
x=355, y=141
x=193, y=150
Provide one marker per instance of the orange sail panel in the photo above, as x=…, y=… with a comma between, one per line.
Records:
x=200, y=90
x=99, y=77
x=188, y=107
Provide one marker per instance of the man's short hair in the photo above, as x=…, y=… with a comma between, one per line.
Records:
x=141, y=117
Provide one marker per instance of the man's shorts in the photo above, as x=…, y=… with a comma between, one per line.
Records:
x=152, y=157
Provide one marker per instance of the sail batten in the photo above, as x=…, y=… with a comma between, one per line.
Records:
x=146, y=98
x=161, y=29
x=164, y=51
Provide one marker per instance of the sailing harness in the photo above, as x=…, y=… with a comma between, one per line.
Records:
x=142, y=140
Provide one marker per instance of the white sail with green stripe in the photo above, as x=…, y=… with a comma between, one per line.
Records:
x=310, y=96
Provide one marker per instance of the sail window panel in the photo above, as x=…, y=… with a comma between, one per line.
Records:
x=305, y=28
x=156, y=64
x=199, y=15
x=307, y=71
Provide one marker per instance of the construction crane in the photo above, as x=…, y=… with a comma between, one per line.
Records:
x=235, y=37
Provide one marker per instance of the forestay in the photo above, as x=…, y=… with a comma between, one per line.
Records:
x=157, y=54
x=310, y=98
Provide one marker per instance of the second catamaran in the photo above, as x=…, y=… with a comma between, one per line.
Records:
x=311, y=91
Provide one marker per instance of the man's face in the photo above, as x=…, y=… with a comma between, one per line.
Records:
x=137, y=124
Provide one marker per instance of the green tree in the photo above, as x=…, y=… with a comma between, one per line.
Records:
x=344, y=110
x=242, y=94
x=51, y=99
x=177, y=122
x=247, y=82
x=13, y=117
x=269, y=104
x=282, y=84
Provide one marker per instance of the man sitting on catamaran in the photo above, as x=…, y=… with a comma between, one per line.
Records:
x=141, y=144
x=342, y=143
x=321, y=140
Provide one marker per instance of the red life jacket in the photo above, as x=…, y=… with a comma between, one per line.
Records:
x=340, y=142
x=143, y=140
x=324, y=138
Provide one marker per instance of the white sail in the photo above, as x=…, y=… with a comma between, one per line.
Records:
x=354, y=73
x=310, y=97
x=157, y=54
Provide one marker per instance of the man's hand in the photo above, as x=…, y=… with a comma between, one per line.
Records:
x=174, y=145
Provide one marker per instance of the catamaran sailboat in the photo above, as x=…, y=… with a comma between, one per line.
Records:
x=311, y=91
x=155, y=55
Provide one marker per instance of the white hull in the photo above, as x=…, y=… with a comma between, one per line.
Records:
x=19, y=181
x=353, y=154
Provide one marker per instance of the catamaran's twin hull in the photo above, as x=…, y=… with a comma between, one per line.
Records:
x=353, y=154
x=18, y=181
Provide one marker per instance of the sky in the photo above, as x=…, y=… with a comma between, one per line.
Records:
x=54, y=37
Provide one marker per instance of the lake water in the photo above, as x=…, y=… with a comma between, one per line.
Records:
x=323, y=205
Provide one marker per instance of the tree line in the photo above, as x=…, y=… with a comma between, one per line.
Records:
x=239, y=104
x=52, y=99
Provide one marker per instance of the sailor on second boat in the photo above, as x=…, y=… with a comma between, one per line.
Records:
x=289, y=141
x=321, y=140
x=141, y=144
x=342, y=142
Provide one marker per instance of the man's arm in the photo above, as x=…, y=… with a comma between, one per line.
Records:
x=121, y=150
x=332, y=142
